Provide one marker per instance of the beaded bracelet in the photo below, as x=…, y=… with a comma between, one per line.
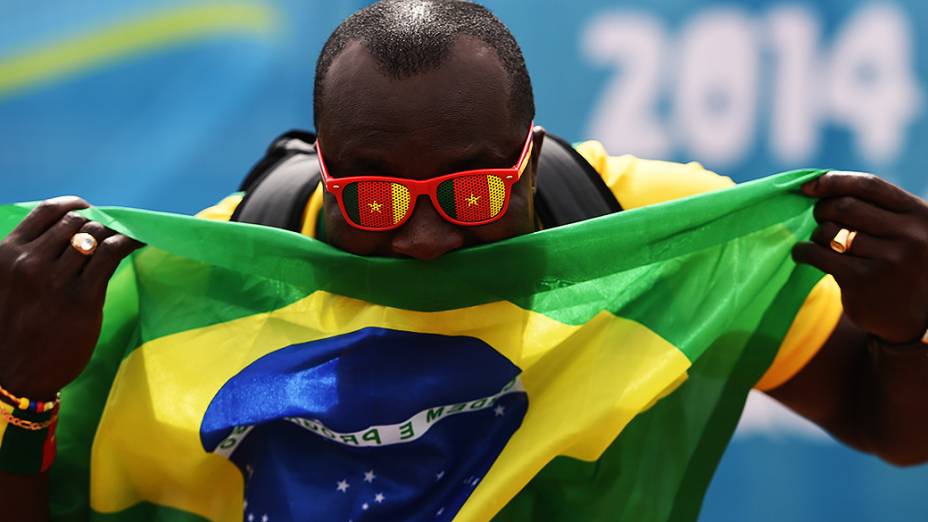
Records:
x=27, y=434
x=28, y=404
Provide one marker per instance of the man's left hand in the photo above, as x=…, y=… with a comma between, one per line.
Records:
x=884, y=275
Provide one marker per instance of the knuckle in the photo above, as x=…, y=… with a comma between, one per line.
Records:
x=9, y=255
x=111, y=242
x=844, y=205
x=54, y=204
x=93, y=228
x=73, y=218
x=27, y=266
x=45, y=206
x=110, y=250
x=57, y=206
x=869, y=181
x=920, y=237
x=70, y=200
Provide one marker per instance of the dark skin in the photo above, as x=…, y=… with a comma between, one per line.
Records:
x=866, y=385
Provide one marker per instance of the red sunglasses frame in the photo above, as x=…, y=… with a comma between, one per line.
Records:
x=428, y=187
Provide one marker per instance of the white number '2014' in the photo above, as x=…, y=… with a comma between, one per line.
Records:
x=713, y=78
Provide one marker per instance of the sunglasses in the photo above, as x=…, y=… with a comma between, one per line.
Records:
x=468, y=198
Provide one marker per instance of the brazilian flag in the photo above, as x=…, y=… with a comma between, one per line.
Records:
x=588, y=372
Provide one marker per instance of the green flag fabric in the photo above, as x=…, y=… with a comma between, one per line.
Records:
x=593, y=371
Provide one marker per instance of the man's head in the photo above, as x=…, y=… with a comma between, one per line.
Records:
x=416, y=89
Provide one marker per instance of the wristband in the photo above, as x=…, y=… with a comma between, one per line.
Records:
x=27, y=439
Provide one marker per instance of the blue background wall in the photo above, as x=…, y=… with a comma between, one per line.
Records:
x=166, y=104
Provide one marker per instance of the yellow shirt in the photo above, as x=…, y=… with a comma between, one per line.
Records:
x=636, y=183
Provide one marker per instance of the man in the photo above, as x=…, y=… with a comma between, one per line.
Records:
x=415, y=89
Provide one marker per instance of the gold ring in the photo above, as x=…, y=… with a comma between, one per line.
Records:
x=84, y=243
x=843, y=241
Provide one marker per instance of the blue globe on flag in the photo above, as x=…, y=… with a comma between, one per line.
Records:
x=376, y=424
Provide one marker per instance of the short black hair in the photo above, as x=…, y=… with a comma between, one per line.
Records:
x=409, y=37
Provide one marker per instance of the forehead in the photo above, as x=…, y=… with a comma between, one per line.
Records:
x=464, y=100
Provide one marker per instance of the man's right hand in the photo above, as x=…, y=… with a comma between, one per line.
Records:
x=51, y=297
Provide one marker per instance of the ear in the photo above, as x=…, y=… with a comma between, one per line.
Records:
x=538, y=139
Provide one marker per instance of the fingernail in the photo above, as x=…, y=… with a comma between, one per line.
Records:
x=812, y=186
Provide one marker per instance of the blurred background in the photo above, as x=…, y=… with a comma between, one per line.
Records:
x=166, y=104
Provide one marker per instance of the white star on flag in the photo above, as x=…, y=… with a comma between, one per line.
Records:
x=499, y=411
x=342, y=486
x=264, y=518
x=439, y=475
x=365, y=506
x=369, y=476
x=251, y=517
x=378, y=498
x=439, y=512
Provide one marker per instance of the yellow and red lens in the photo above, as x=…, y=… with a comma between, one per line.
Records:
x=376, y=204
x=472, y=199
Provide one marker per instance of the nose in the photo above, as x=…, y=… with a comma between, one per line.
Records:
x=426, y=235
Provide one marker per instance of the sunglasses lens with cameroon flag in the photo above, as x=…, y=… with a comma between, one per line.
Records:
x=473, y=198
x=376, y=204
